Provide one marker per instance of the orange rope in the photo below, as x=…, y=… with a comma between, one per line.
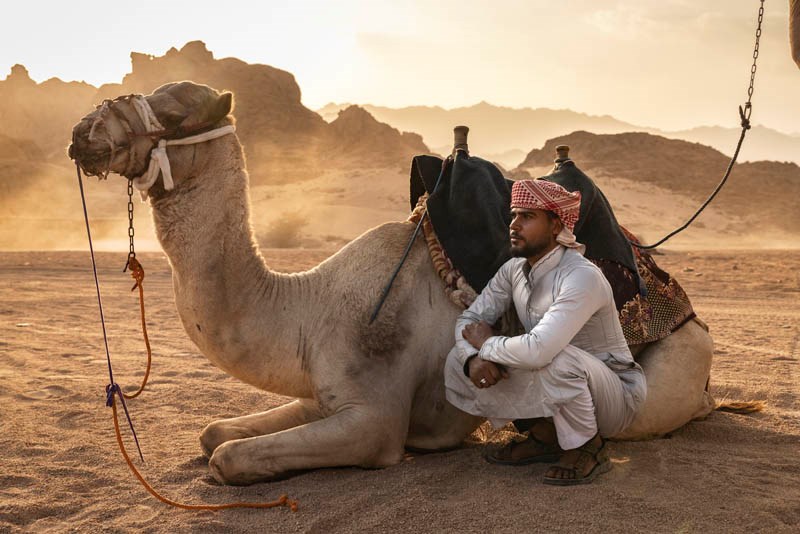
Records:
x=137, y=272
x=282, y=501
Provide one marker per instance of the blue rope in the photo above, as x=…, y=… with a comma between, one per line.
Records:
x=112, y=388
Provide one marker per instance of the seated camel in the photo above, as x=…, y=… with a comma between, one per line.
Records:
x=364, y=391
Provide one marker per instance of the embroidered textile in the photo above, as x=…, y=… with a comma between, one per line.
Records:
x=549, y=196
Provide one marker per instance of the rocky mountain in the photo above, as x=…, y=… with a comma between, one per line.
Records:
x=496, y=133
x=288, y=146
x=319, y=182
x=501, y=133
x=284, y=141
x=361, y=138
x=763, y=193
x=42, y=113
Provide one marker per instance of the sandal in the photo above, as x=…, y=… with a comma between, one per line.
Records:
x=587, y=452
x=529, y=451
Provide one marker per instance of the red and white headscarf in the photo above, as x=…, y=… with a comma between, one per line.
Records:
x=544, y=195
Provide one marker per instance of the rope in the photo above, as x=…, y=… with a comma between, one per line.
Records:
x=388, y=287
x=112, y=387
x=137, y=272
x=159, y=161
x=113, y=390
x=282, y=501
x=744, y=115
x=684, y=226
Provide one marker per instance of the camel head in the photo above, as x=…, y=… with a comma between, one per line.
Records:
x=119, y=135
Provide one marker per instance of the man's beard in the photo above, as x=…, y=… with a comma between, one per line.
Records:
x=529, y=250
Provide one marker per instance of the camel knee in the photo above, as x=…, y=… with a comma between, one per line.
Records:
x=387, y=456
x=215, y=434
x=383, y=447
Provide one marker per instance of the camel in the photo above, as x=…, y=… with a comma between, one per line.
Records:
x=364, y=392
x=794, y=30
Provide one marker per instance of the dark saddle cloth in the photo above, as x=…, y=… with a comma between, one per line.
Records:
x=470, y=214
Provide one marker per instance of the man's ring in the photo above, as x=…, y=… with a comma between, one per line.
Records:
x=482, y=381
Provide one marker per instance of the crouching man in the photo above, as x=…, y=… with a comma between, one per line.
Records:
x=571, y=379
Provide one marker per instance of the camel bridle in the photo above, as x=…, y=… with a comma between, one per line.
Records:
x=122, y=117
x=128, y=120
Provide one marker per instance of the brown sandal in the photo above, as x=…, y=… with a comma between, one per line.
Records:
x=588, y=452
x=529, y=451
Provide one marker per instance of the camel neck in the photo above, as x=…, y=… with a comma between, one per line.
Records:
x=231, y=305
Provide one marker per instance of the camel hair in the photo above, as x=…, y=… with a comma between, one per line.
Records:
x=364, y=392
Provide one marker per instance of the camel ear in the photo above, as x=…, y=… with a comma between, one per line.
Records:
x=223, y=106
x=212, y=112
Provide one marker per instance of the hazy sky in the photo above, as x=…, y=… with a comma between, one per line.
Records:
x=666, y=63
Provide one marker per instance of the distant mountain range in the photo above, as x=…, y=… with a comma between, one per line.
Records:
x=505, y=134
x=330, y=176
x=757, y=195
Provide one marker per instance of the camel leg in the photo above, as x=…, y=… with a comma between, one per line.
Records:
x=296, y=413
x=353, y=436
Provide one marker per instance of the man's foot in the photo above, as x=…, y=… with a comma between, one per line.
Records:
x=581, y=465
x=540, y=446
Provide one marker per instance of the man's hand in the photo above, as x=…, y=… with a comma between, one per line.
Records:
x=485, y=374
x=477, y=333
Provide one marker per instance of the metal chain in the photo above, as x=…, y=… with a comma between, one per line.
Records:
x=748, y=108
x=131, y=250
x=755, y=51
x=744, y=115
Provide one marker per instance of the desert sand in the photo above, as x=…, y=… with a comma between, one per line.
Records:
x=61, y=470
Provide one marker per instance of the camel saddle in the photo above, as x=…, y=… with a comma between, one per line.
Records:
x=467, y=235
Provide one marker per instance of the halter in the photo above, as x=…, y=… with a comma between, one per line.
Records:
x=159, y=160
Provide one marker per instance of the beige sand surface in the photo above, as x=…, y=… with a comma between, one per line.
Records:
x=61, y=471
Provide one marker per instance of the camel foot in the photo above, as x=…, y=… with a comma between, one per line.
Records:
x=227, y=470
x=296, y=413
x=338, y=440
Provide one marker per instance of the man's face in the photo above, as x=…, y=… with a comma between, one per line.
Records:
x=532, y=232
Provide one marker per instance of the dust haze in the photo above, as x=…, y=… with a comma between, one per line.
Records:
x=318, y=180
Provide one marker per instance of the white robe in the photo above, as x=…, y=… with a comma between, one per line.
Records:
x=573, y=364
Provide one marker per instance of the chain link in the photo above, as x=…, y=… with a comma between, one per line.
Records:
x=753, y=67
x=131, y=250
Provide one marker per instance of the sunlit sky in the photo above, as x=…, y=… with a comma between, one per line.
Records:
x=671, y=64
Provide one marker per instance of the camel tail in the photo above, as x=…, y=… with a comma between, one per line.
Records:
x=741, y=407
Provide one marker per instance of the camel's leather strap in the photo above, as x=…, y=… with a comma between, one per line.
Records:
x=159, y=161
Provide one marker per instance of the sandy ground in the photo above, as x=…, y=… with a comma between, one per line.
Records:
x=61, y=470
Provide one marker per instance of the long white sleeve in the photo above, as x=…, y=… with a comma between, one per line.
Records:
x=493, y=302
x=579, y=297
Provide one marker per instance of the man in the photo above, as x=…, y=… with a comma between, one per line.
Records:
x=572, y=372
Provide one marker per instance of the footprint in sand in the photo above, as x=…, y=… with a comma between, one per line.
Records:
x=35, y=451
x=197, y=374
x=15, y=481
x=74, y=419
x=45, y=393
